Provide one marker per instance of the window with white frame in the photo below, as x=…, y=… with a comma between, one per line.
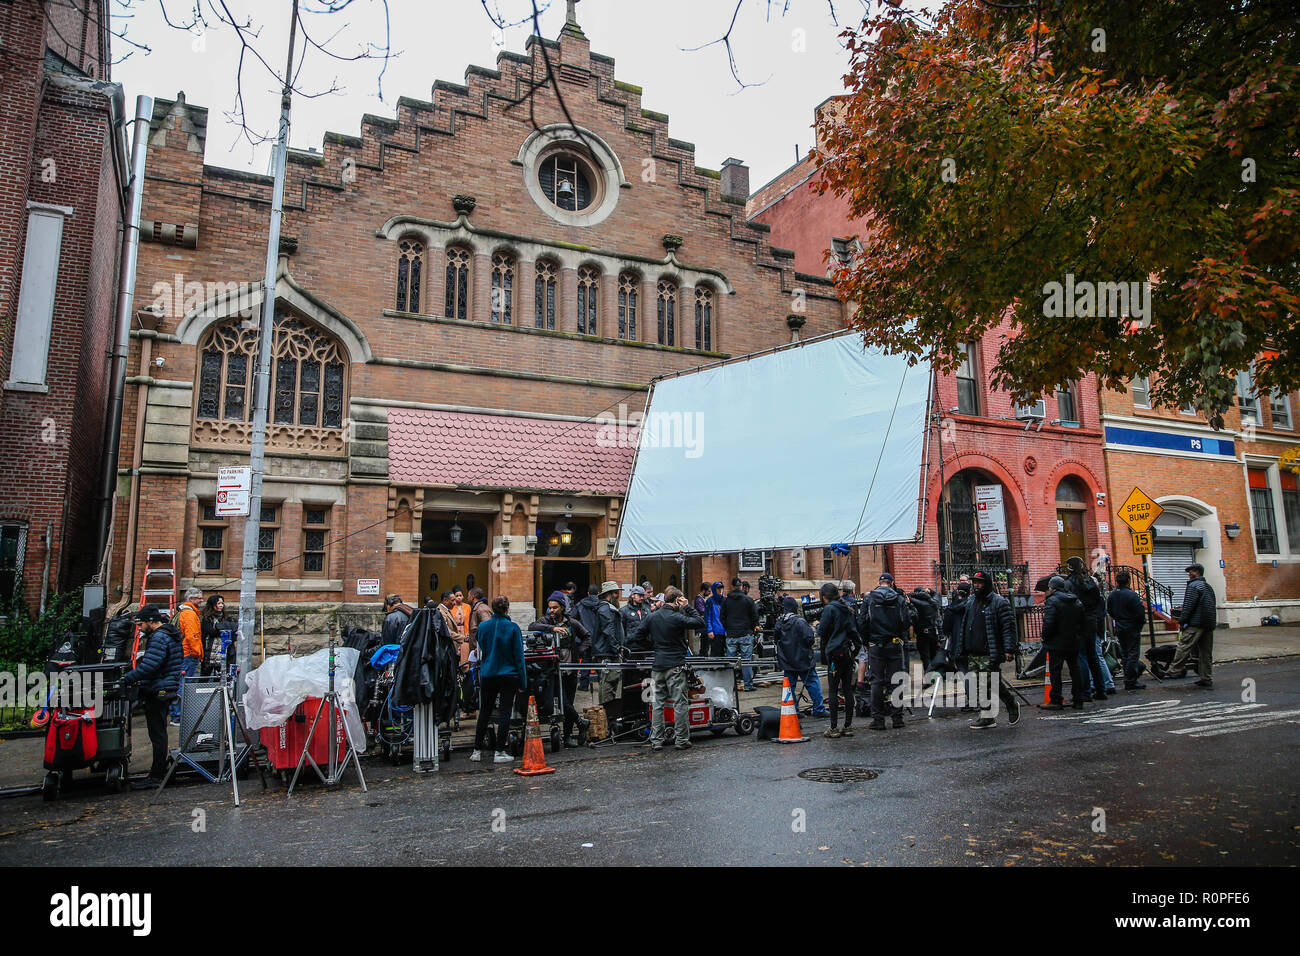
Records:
x=1067, y=404
x=1247, y=398
x=968, y=400
x=1279, y=405
x=1140, y=386
x=1261, y=511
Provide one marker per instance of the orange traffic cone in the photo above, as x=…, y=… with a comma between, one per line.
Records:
x=1047, y=679
x=534, y=754
x=790, y=732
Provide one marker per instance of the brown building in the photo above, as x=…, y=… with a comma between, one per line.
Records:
x=1230, y=503
x=461, y=294
x=1042, y=461
x=61, y=211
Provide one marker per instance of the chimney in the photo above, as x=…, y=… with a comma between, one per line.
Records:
x=735, y=179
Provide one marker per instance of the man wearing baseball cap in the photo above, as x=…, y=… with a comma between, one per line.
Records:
x=1197, y=619
x=158, y=673
x=633, y=616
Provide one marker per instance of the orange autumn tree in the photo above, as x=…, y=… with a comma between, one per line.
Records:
x=1023, y=160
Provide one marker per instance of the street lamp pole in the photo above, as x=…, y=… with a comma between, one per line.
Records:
x=262, y=386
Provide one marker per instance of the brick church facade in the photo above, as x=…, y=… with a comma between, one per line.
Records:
x=462, y=290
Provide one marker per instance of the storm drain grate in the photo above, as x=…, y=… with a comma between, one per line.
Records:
x=838, y=774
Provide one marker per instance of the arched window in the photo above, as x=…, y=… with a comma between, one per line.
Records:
x=588, y=293
x=667, y=312
x=1071, y=489
x=627, y=296
x=503, y=287
x=308, y=385
x=410, y=266
x=457, y=304
x=544, y=301
x=703, y=317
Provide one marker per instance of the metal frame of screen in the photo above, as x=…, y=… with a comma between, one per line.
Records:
x=923, y=490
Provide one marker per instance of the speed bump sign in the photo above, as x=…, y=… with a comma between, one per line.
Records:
x=1142, y=542
x=1139, y=511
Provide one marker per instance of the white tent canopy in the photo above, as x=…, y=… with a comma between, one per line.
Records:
x=818, y=443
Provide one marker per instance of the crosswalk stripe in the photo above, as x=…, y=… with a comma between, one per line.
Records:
x=1251, y=722
x=1202, y=712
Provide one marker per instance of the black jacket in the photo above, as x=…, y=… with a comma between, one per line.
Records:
x=1084, y=586
x=159, y=670
x=926, y=610
x=1198, y=605
x=572, y=647
x=838, y=631
x=666, y=628
x=884, y=615
x=395, y=623
x=632, y=619
x=738, y=613
x=1126, y=610
x=607, y=634
x=953, y=615
x=988, y=628
x=1062, y=622
x=794, y=643
x=427, y=666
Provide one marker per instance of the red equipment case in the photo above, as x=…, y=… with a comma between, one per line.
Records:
x=284, y=743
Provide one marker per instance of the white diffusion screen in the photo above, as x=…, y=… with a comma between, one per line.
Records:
x=781, y=451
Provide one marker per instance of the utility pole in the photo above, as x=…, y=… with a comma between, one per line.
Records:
x=262, y=379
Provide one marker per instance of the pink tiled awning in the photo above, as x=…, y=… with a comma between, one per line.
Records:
x=502, y=451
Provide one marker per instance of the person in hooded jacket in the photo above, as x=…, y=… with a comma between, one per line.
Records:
x=926, y=627
x=396, y=616
x=884, y=622
x=839, y=639
x=713, y=621
x=987, y=637
x=158, y=673
x=633, y=615
x=794, y=654
x=606, y=645
x=1062, y=624
x=1096, y=675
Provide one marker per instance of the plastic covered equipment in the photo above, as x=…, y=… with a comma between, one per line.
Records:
x=281, y=683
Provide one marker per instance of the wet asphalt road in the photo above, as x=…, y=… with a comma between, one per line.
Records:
x=1184, y=777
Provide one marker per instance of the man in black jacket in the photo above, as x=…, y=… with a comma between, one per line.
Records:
x=884, y=622
x=794, y=653
x=396, y=616
x=158, y=673
x=839, y=638
x=926, y=627
x=607, y=646
x=1086, y=589
x=667, y=629
x=1127, y=612
x=1062, y=623
x=1197, y=618
x=986, y=639
x=569, y=637
x=633, y=614
x=739, y=616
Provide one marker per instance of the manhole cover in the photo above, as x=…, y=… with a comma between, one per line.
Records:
x=838, y=774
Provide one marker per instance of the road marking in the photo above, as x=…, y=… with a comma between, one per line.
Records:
x=1252, y=722
x=1196, y=712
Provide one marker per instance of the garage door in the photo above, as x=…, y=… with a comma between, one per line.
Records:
x=1169, y=560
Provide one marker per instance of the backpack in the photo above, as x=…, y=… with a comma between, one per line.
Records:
x=878, y=619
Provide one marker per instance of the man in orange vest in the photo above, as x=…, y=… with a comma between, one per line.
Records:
x=190, y=623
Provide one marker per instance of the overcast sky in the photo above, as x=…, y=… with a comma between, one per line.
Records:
x=797, y=60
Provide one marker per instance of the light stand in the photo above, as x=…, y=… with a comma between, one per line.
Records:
x=228, y=762
x=334, y=768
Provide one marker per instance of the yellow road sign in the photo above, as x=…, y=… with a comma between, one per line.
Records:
x=1142, y=542
x=1139, y=511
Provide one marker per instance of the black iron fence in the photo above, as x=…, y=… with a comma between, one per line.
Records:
x=1009, y=579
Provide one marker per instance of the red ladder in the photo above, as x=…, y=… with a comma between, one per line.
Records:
x=159, y=570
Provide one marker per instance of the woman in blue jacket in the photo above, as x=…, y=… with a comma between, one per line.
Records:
x=501, y=675
x=717, y=633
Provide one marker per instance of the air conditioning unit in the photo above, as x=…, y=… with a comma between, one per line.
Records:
x=1032, y=413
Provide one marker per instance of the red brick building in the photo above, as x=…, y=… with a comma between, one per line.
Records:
x=1044, y=462
x=461, y=293
x=61, y=211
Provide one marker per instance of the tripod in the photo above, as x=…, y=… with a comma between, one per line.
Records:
x=333, y=772
x=227, y=761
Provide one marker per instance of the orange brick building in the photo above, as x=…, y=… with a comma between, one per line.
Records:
x=460, y=293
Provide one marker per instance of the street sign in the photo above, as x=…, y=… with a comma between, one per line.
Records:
x=367, y=586
x=1142, y=542
x=233, y=487
x=991, y=516
x=1139, y=511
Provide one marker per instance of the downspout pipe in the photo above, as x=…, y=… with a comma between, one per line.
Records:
x=122, y=329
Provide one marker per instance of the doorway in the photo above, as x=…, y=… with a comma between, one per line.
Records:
x=1070, y=535
x=443, y=574
x=663, y=573
x=553, y=573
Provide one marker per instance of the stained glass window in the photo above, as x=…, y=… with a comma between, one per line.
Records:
x=627, y=295
x=457, y=296
x=544, y=308
x=503, y=287
x=410, y=263
x=588, y=289
x=667, y=312
x=703, y=317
